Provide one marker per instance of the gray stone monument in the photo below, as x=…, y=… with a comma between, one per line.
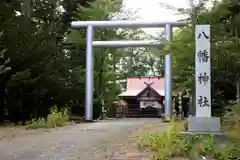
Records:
x=203, y=120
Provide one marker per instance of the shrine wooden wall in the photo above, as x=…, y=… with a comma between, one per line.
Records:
x=133, y=106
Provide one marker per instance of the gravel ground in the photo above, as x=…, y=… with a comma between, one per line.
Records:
x=104, y=140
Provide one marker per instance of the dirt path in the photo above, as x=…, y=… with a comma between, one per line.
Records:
x=105, y=140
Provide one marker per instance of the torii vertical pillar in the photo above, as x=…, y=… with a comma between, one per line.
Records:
x=168, y=76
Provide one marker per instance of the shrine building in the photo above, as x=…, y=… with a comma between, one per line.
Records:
x=144, y=96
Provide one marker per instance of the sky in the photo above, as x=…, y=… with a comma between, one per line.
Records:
x=151, y=10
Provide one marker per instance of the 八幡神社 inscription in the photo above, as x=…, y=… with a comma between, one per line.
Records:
x=203, y=34
x=203, y=101
x=203, y=71
x=203, y=56
x=203, y=78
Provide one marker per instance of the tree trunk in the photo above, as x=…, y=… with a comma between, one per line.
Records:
x=114, y=66
x=2, y=98
x=238, y=90
x=100, y=82
x=237, y=81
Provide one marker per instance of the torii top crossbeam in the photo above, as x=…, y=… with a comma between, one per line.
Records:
x=126, y=24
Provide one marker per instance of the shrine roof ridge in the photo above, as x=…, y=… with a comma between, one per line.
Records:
x=157, y=76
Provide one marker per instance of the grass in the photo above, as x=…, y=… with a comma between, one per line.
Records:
x=172, y=144
x=54, y=119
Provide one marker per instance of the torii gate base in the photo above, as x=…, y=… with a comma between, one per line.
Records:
x=125, y=24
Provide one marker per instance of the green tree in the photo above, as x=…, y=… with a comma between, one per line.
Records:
x=223, y=18
x=32, y=34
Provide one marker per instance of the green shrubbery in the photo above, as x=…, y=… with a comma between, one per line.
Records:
x=231, y=121
x=54, y=119
x=172, y=143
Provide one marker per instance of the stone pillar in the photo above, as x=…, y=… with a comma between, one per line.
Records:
x=203, y=121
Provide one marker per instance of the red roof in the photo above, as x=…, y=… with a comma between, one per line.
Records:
x=137, y=84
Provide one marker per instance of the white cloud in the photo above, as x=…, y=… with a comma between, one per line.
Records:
x=153, y=10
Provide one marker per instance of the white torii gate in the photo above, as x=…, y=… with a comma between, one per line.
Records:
x=90, y=43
